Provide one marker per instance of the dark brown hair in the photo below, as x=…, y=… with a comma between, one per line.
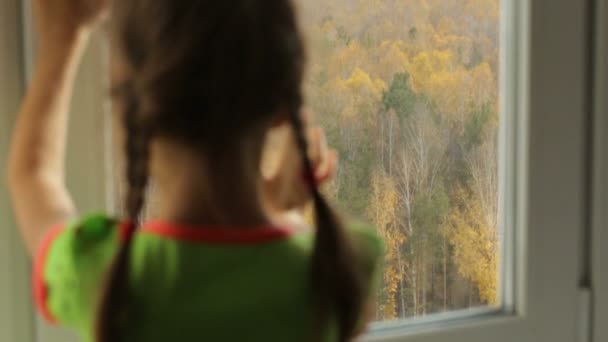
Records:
x=204, y=72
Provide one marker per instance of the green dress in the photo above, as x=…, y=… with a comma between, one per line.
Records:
x=189, y=283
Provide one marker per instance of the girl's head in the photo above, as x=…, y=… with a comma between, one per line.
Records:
x=208, y=72
x=210, y=75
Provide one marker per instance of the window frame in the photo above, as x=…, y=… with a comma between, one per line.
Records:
x=543, y=84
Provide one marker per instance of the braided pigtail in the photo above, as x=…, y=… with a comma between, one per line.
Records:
x=337, y=286
x=112, y=313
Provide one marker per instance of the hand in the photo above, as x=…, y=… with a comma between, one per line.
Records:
x=63, y=19
x=285, y=184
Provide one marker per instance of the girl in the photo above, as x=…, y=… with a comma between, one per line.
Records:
x=198, y=86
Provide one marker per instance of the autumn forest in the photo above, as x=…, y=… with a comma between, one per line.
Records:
x=408, y=93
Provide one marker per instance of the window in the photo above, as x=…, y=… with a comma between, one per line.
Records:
x=390, y=66
x=408, y=93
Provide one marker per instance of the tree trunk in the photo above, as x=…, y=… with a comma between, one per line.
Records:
x=445, y=275
x=383, y=161
x=414, y=281
x=423, y=275
x=390, y=144
x=433, y=294
x=470, y=294
x=401, y=287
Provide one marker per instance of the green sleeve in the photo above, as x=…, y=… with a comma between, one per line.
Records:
x=70, y=270
x=369, y=247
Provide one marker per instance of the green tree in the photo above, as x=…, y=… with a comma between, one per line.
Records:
x=400, y=97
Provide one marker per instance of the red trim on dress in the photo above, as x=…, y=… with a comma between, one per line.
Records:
x=40, y=288
x=222, y=235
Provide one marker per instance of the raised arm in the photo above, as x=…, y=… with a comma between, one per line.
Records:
x=37, y=155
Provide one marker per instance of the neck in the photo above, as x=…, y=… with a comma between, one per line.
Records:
x=194, y=189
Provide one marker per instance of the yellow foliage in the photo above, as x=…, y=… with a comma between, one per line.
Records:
x=382, y=211
x=360, y=82
x=462, y=44
x=357, y=95
x=475, y=246
x=342, y=63
x=383, y=202
x=448, y=91
x=427, y=63
x=391, y=59
x=454, y=90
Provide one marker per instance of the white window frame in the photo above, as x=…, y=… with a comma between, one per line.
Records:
x=543, y=188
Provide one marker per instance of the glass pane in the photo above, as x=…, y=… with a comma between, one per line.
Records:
x=408, y=93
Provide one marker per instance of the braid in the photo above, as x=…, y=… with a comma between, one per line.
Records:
x=337, y=287
x=114, y=299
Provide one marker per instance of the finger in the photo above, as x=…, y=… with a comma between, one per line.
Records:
x=321, y=148
x=333, y=163
x=323, y=163
x=330, y=169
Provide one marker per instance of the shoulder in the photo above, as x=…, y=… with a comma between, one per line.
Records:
x=366, y=240
x=69, y=266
